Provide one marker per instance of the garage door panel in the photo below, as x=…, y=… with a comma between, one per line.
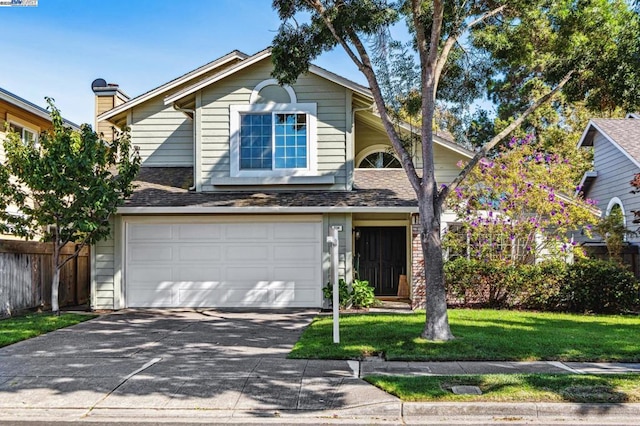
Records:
x=150, y=297
x=252, y=274
x=247, y=231
x=151, y=253
x=296, y=253
x=247, y=253
x=150, y=233
x=296, y=231
x=261, y=264
x=204, y=232
x=198, y=273
x=199, y=252
x=297, y=274
x=198, y=298
x=156, y=274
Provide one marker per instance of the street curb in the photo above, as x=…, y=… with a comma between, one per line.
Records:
x=524, y=409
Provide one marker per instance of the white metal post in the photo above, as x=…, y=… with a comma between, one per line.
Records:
x=332, y=239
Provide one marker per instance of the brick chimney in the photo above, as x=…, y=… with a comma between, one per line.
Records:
x=108, y=96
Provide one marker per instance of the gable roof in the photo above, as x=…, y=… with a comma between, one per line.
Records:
x=623, y=133
x=257, y=58
x=235, y=55
x=244, y=61
x=34, y=109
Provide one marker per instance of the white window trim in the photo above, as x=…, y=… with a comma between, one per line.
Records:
x=312, y=138
x=24, y=128
x=272, y=82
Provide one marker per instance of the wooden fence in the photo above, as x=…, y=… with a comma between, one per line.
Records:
x=26, y=272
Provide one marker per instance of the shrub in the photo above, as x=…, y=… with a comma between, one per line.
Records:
x=478, y=283
x=586, y=286
x=344, y=294
x=600, y=286
x=361, y=294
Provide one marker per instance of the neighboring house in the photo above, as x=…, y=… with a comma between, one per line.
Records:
x=242, y=179
x=24, y=117
x=616, y=159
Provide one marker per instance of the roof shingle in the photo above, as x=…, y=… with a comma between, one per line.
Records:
x=168, y=187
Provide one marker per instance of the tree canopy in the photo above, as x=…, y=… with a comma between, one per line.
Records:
x=519, y=52
x=65, y=186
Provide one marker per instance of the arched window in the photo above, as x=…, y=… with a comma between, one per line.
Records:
x=616, y=210
x=377, y=157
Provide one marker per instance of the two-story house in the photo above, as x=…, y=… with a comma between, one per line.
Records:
x=242, y=179
x=25, y=118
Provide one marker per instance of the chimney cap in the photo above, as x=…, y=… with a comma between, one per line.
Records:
x=98, y=83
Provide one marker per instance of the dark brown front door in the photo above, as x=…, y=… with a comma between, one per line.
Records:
x=381, y=257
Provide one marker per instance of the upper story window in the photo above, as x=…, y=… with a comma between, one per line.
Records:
x=27, y=135
x=273, y=138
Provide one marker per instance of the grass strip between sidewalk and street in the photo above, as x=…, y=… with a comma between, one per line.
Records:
x=15, y=329
x=619, y=388
x=481, y=334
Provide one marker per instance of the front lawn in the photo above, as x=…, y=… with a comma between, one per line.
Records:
x=24, y=327
x=480, y=335
x=515, y=388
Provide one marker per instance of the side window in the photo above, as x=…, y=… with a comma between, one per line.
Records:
x=27, y=135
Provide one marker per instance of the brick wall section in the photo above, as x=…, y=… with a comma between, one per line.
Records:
x=418, y=288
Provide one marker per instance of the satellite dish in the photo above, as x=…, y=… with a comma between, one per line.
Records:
x=97, y=83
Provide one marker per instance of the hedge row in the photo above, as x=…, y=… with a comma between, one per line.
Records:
x=588, y=285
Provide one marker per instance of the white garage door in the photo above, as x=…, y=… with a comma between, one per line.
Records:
x=254, y=264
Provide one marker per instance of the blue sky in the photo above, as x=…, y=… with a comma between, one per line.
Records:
x=59, y=47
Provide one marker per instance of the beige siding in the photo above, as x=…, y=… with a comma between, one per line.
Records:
x=615, y=171
x=446, y=160
x=331, y=120
x=103, y=273
x=164, y=135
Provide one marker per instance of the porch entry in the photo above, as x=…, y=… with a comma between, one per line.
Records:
x=381, y=257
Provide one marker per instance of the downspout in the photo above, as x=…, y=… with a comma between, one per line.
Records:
x=190, y=113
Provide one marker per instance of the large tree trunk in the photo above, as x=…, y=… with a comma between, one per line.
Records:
x=55, y=280
x=437, y=322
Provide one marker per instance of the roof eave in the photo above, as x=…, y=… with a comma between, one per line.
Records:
x=235, y=55
x=32, y=108
x=263, y=210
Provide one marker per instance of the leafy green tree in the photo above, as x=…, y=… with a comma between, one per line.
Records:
x=66, y=186
x=461, y=48
x=519, y=206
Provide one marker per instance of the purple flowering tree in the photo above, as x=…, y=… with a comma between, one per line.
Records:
x=519, y=206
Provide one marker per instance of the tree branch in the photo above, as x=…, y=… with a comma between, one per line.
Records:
x=364, y=64
x=317, y=5
x=445, y=191
x=453, y=39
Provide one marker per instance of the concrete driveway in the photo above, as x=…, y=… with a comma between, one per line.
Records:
x=181, y=364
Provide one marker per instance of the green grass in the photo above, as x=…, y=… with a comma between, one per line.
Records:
x=480, y=335
x=515, y=388
x=24, y=327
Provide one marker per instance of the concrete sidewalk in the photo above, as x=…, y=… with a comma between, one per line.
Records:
x=178, y=367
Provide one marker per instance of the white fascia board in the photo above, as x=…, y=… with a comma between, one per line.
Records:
x=172, y=84
x=328, y=75
x=266, y=210
x=217, y=77
x=335, y=78
x=20, y=103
